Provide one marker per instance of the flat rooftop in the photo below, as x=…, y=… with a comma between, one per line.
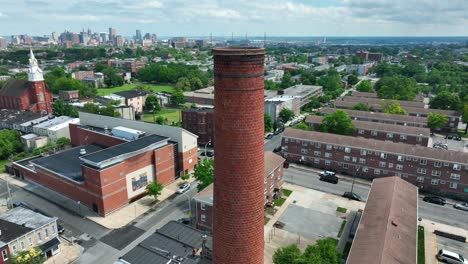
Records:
x=66, y=163
x=16, y=116
x=54, y=122
x=128, y=148
x=23, y=216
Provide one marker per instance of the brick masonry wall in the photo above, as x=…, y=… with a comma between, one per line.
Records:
x=239, y=163
x=80, y=136
x=421, y=172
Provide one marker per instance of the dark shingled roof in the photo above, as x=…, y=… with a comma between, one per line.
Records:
x=131, y=93
x=123, y=148
x=387, y=230
x=397, y=129
x=11, y=231
x=66, y=163
x=379, y=145
x=14, y=88
x=410, y=110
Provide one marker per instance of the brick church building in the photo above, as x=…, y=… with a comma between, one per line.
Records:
x=27, y=95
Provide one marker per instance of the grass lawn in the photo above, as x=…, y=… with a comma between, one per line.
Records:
x=172, y=115
x=287, y=192
x=462, y=134
x=280, y=201
x=421, y=252
x=126, y=87
x=341, y=209
x=343, y=224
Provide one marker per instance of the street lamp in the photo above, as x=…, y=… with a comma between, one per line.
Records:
x=154, y=117
x=206, y=145
x=79, y=207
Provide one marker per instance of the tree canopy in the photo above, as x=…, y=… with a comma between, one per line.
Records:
x=204, y=173
x=152, y=103
x=436, y=121
x=352, y=79
x=323, y=252
x=393, y=108
x=268, y=123
x=362, y=107
x=396, y=87
x=338, y=122
x=172, y=72
x=107, y=110
x=32, y=256
x=286, y=115
x=446, y=100
x=178, y=98
x=9, y=143
x=465, y=116
x=365, y=86
x=154, y=189
x=62, y=108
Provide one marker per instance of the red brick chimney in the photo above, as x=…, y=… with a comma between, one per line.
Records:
x=239, y=156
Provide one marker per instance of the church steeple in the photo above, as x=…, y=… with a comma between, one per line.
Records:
x=34, y=72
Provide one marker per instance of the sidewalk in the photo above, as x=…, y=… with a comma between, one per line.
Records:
x=430, y=247
x=118, y=219
x=431, y=226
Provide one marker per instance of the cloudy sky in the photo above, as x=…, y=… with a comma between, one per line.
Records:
x=254, y=17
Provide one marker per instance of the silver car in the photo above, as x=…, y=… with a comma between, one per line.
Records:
x=183, y=188
x=451, y=257
x=461, y=206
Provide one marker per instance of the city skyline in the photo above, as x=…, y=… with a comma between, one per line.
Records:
x=222, y=18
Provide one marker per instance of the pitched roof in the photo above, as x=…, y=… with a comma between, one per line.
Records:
x=272, y=161
x=365, y=94
x=131, y=93
x=411, y=110
x=379, y=145
x=14, y=88
x=397, y=129
x=379, y=116
x=358, y=99
x=11, y=231
x=387, y=232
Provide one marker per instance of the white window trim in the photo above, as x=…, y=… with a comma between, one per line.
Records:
x=5, y=254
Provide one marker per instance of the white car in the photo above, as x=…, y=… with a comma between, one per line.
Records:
x=451, y=257
x=461, y=206
x=183, y=188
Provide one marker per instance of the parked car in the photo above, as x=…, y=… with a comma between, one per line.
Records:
x=185, y=221
x=352, y=196
x=269, y=136
x=277, y=149
x=461, y=206
x=183, y=188
x=451, y=257
x=328, y=176
x=435, y=200
x=277, y=131
x=449, y=136
x=457, y=137
x=209, y=153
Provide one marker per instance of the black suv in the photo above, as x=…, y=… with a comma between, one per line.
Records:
x=434, y=199
x=328, y=176
x=352, y=196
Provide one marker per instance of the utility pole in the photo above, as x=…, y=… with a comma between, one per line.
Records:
x=354, y=177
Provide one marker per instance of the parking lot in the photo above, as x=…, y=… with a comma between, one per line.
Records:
x=452, y=245
x=451, y=143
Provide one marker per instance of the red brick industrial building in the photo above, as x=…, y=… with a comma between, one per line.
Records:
x=369, y=56
x=27, y=95
x=273, y=180
x=239, y=163
x=380, y=131
x=201, y=123
x=433, y=170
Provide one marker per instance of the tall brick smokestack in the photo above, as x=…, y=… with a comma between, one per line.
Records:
x=239, y=157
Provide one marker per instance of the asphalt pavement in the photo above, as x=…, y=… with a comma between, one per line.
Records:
x=309, y=178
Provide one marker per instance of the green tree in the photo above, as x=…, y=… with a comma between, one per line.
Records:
x=286, y=115
x=204, y=173
x=32, y=256
x=331, y=82
x=178, y=98
x=352, y=79
x=99, y=67
x=436, y=121
x=286, y=82
x=9, y=143
x=183, y=84
x=63, y=141
x=338, y=123
x=362, y=107
x=446, y=100
x=160, y=120
x=287, y=255
x=268, y=123
x=196, y=83
x=365, y=86
x=465, y=117
x=396, y=87
x=185, y=176
x=111, y=78
x=313, y=104
x=60, y=108
x=66, y=84
x=152, y=103
x=302, y=125
x=393, y=108
x=270, y=85
x=154, y=189
x=108, y=110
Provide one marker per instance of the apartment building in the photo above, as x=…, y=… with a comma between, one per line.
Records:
x=454, y=116
x=367, y=100
x=380, y=131
x=403, y=120
x=273, y=179
x=23, y=229
x=439, y=171
x=201, y=123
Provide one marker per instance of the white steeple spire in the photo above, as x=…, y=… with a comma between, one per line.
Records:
x=34, y=72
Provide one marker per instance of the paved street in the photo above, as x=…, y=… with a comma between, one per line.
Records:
x=271, y=144
x=442, y=214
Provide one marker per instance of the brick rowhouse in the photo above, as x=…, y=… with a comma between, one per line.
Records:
x=239, y=162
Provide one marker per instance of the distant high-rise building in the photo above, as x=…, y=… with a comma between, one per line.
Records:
x=154, y=38
x=138, y=35
x=103, y=37
x=54, y=36
x=119, y=41
x=112, y=33
x=3, y=43
x=75, y=38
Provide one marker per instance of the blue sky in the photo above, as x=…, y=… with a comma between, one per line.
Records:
x=254, y=17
